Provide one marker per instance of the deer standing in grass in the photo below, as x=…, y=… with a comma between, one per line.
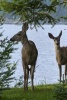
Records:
x=61, y=53
x=29, y=55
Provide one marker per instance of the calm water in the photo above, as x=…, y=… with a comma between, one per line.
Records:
x=46, y=68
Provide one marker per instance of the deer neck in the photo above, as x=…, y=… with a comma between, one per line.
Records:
x=57, y=49
x=25, y=41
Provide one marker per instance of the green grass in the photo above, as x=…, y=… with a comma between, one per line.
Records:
x=43, y=92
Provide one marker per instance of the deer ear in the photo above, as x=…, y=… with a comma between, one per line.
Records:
x=50, y=35
x=60, y=33
x=25, y=27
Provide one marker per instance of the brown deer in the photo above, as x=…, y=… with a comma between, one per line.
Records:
x=29, y=55
x=61, y=54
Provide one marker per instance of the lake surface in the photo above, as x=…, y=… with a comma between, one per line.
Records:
x=46, y=68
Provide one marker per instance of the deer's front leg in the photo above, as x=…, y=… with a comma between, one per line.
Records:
x=32, y=75
x=24, y=79
x=25, y=76
x=60, y=71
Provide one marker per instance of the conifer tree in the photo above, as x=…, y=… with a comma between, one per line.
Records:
x=6, y=68
x=35, y=12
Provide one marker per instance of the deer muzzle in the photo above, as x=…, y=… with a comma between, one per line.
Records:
x=11, y=39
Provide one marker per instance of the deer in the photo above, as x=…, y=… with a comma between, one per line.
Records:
x=61, y=54
x=29, y=55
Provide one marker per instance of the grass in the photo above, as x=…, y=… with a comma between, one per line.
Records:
x=43, y=92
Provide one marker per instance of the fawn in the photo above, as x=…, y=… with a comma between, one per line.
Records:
x=29, y=55
x=61, y=53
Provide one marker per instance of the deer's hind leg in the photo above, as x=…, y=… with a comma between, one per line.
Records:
x=60, y=71
x=65, y=71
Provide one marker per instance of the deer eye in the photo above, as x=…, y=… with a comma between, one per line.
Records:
x=18, y=34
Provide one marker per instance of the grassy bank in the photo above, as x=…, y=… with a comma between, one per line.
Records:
x=40, y=93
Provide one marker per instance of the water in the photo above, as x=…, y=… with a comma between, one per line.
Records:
x=46, y=68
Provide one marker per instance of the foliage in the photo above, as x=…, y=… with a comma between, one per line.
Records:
x=40, y=93
x=1, y=20
x=19, y=83
x=61, y=91
x=36, y=12
x=6, y=68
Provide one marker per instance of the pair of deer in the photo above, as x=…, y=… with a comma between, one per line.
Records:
x=30, y=53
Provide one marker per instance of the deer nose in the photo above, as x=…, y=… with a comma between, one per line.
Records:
x=11, y=39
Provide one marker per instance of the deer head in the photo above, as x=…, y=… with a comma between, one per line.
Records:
x=56, y=39
x=21, y=35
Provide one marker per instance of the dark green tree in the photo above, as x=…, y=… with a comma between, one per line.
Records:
x=7, y=69
x=35, y=12
x=61, y=90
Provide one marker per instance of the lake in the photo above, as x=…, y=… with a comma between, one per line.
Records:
x=46, y=68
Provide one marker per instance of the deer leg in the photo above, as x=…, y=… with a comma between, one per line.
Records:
x=25, y=77
x=60, y=71
x=32, y=75
x=65, y=70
